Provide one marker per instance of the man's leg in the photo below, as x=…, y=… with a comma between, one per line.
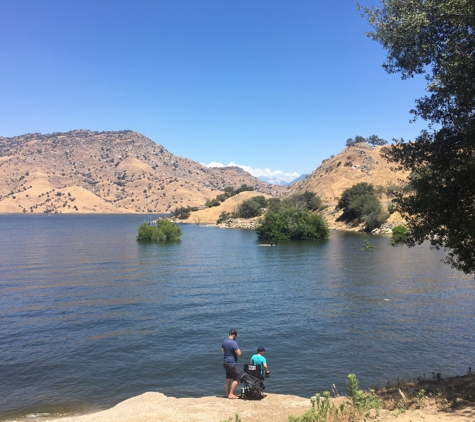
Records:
x=227, y=384
x=233, y=387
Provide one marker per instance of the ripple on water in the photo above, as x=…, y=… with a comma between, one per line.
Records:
x=91, y=317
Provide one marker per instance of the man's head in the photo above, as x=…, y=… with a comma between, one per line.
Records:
x=261, y=349
x=233, y=333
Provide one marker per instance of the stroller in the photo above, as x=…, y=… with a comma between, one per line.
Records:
x=253, y=380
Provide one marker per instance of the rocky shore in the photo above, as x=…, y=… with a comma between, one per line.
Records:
x=443, y=400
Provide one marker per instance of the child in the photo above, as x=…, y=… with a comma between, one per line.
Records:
x=259, y=359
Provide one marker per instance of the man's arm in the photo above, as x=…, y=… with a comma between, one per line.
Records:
x=222, y=350
x=238, y=352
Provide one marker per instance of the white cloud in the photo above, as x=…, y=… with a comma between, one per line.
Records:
x=268, y=175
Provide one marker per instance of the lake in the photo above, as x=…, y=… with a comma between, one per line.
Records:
x=90, y=317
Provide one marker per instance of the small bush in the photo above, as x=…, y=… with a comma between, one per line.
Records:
x=399, y=235
x=212, y=203
x=164, y=230
x=223, y=217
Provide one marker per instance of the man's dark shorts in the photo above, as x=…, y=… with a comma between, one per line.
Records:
x=232, y=371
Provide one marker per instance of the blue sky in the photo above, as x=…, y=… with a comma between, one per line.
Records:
x=267, y=84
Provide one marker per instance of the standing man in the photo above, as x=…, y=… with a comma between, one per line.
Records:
x=231, y=351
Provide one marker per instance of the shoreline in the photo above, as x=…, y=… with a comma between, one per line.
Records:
x=155, y=406
x=443, y=399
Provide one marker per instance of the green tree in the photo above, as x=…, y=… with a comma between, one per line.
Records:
x=164, y=230
x=274, y=226
x=243, y=188
x=261, y=200
x=273, y=204
x=435, y=38
x=294, y=223
x=181, y=212
x=399, y=235
x=229, y=191
x=360, y=201
x=223, y=217
x=376, y=140
x=352, y=199
x=212, y=203
x=308, y=199
x=222, y=197
x=250, y=208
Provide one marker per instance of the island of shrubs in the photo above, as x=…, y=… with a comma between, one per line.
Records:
x=162, y=230
x=293, y=218
x=298, y=217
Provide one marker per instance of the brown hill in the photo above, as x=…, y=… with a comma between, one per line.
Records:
x=210, y=215
x=107, y=172
x=355, y=164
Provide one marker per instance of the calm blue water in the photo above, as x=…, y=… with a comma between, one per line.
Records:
x=90, y=317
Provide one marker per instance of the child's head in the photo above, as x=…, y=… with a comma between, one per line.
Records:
x=261, y=349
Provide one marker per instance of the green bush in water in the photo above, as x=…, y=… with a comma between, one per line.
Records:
x=164, y=230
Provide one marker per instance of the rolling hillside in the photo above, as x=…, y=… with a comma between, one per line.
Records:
x=107, y=172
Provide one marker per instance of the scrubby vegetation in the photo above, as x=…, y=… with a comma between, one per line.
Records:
x=373, y=140
x=436, y=393
x=292, y=223
x=399, y=235
x=294, y=218
x=183, y=212
x=251, y=207
x=360, y=201
x=228, y=193
x=163, y=230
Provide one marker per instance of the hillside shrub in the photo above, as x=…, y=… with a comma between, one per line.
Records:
x=212, y=203
x=309, y=200
x=223, y=217
x=360, y=201
x=251, y=207
x=374, y=220
x=164, y=230
x=183, y=212
x=273, y=204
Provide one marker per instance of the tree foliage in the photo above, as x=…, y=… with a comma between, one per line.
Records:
x=309, y=200
x=228, y=193
x=399, y=235
x=164, y=230
x=435, y=38
x=183, y=212
x=251, y=207
x=294, y=223
x=360, y=201
x=373, y=140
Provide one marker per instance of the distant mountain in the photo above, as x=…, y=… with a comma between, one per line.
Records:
x=298, y=179
x=107, y=172
x=279, y=181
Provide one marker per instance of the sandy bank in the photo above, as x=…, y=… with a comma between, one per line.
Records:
x=150, y=407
